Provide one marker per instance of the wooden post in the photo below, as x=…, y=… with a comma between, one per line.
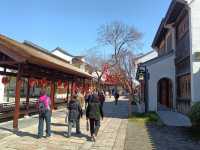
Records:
x=52, y=95
x=68, y=91
x=17, y=99
x=72, y=90
x=27, y=98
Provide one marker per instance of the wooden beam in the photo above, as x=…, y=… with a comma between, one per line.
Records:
x=68, y=91
x=8, y=51
x=52, y=95
x=7, y=62
x=27, y=98
x=17, y=99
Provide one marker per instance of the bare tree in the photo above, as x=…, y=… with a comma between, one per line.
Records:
x=119, y=37
x=97, y=61
x=125, y=69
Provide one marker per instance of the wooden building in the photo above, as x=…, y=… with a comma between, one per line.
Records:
x=24, y=61
x=174, y=76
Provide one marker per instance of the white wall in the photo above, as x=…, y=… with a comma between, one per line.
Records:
x=143, y=59
x=147, y=57
x=164, y=68
x=63, y=56
x=195, y=49
x=1, y=90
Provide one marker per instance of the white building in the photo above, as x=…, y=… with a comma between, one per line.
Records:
x=63, y=54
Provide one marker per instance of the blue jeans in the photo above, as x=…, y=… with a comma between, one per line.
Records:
x=47, y=117
x=73, y=123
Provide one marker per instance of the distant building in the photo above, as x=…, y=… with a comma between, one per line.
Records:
x=63, y=54
x=77, y=61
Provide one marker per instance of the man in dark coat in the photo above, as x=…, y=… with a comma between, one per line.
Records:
x=101, y=98
x=94, y=112
x=75, y=112
x=116, y=97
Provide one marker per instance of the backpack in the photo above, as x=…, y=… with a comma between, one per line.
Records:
x=42, y=108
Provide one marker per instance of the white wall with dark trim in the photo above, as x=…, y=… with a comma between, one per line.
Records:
x=164, y=68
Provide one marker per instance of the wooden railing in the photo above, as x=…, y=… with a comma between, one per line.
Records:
x=7, y=109
x=183, y=105
x=183, y=47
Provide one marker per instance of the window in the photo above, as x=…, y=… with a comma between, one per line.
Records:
x=184, y=87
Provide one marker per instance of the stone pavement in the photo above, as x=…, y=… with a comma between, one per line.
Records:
x=152, y=137
x=171, y=118
x=111, y=135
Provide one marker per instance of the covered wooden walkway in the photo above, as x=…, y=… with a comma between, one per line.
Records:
x=21, y=60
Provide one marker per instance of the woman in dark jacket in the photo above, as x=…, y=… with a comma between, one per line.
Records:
x=94, y=112
x=74, y=114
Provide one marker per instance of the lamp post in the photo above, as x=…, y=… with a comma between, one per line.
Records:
x=143, y=75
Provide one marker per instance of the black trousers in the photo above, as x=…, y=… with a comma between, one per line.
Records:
x=94, y=126
x=116, y=101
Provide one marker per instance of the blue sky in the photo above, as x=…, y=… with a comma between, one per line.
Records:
x=73, y=24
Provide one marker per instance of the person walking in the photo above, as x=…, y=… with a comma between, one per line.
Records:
x=101, y=99
x=80, y=97
x=44, y=103
x=75, y=113
x=88, y=97
x=93, y=113
x=116, y=95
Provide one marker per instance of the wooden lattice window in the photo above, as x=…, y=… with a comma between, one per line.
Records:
x=184, y=87
x=183, y=27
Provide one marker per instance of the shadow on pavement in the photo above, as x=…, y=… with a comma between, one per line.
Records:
x=59, y=124
x=19, y=133
x=171, y=138
x=62, y=133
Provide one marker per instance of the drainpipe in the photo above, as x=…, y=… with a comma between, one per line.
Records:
x=146, y=78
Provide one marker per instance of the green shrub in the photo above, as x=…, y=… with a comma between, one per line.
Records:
x=148, y=118
x=195, y=114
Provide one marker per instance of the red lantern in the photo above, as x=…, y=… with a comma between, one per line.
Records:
x=32, y=82
x=44, y=82
x=65, y=85
x=59, y=83
x=5, y=80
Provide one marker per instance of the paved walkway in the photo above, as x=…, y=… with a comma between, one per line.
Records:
x=142, y=136
x=171, y=118
x=111, y=135
x=152, y=137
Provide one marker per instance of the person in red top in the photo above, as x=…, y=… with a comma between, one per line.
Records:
x=44, y=104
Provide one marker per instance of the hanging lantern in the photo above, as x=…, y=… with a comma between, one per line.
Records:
x=43, y=82
x=59, y=83
x=5, y=80
x=65, y=85
x=32, y=82
x=40, y=82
